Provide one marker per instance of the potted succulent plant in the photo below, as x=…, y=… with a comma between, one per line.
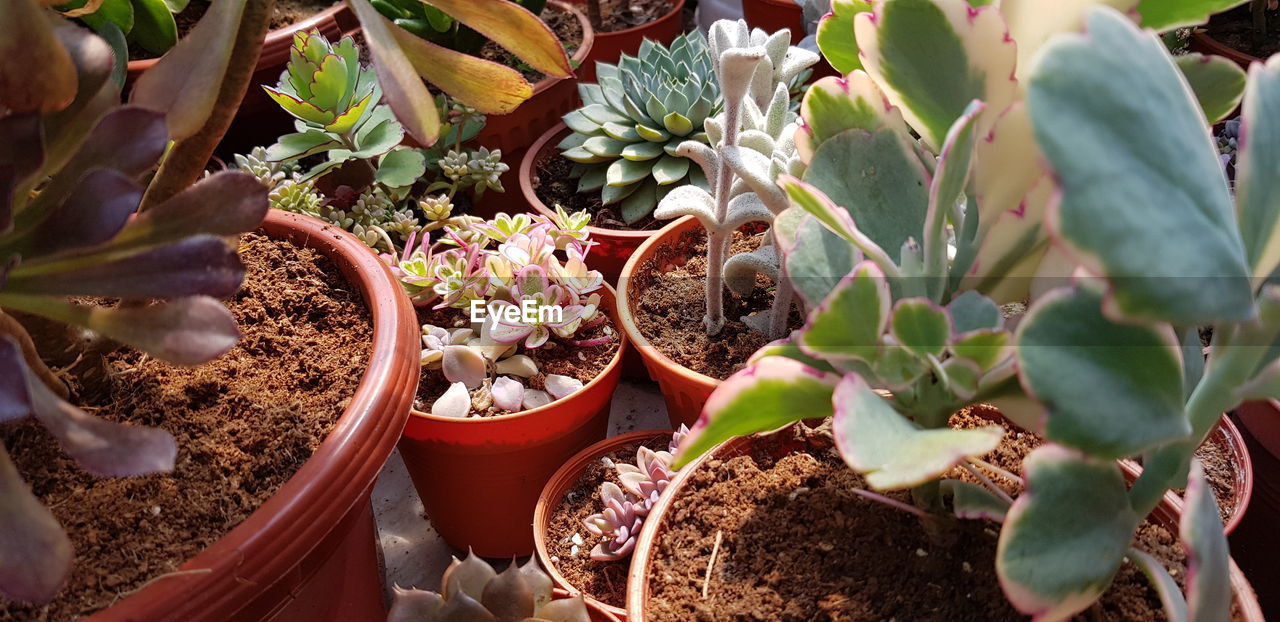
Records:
x=78, y=230
x=520, y=359
x=1096, y=366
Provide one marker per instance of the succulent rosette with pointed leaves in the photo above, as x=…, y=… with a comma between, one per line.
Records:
x=471, y=590
x=900, y=245
x=635, y=117
x=71, y=232
x=618, y=525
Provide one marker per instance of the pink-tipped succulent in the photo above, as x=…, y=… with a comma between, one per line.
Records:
x=618, y=525
x=649, y=476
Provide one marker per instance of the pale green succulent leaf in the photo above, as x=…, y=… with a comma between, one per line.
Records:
x=621, y=132
x=621, y=172
x=604, y=146
x=1257, y=183
x=838, y=47
x=642, y=151
x=677, y=124
x=1208, y=556
x=612, y=194
x=401, y=167
x=849, y=322
x=301, y=145
x=1217, y=82
x=971, y=501
x=640, y=203
x=921, y=326
x=652, y=134
x=579, y=123
x=670, y=169
x=1165, y=15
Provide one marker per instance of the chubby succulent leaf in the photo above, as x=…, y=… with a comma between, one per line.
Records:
x=1217, y=82
x=1171, y=598
x=1066, y=534
x=816, y=258
x=972, y=311
x=95, y=95
x=401, y=167
x=1208, y=557
x=413, y=104
x=301, y=145
x=836, y=220
x=1085, y=368
x=947, y=187
x=515, y=28
x=891, y=451
x=921, y=326
x=833, y=105
x=36, y=552
x=849, y=322
x=986, y=348
x=1033, y=23
x=835, y=34
x=94, y=212
x=1165, y=15
x=154, y=28
x=36, y=71
x=184, y=83
x=1082, y=102
x=508, y=596
x=1257, y=184
x=226, y=203
x=766, y=395
x=414, y=605
x=971, y=501
x=933, y=57
x=21, y=155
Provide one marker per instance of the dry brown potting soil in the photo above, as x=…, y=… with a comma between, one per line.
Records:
x=583, y=363
x=668, y=301
x=798, y=545
x=1234, y=28
x=244, y=423
x=603, y=581
x=618, y=15
x=285, y=13
x=565, y=26
x=554, y=184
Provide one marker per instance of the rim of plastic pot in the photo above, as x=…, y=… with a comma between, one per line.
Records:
x=677, y=7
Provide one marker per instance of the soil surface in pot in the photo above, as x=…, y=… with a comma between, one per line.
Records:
x=554, y=183
x=285, y=13
x=618, y=15
x=245, y=423
x=555, y=357
x=565, y=26
x=798, y=545
x=668, y=300
x=1234, y=28
x=603, y=581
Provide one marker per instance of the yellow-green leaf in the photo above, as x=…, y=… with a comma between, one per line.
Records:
x=514, y=28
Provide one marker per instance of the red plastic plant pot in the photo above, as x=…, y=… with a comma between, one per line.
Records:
x=610, y=46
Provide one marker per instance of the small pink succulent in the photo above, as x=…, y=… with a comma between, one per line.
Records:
x=617, y=526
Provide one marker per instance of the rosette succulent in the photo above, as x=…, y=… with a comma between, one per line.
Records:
x=625, y=508
x=471, y=590
x=626, y=134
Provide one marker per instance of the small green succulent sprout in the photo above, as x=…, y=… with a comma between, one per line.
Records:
x=471, y=590
x=626, y=134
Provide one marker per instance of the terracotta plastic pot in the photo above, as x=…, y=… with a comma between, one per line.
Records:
x=564, y=479
x=1254, y=543
x=685, y=391
x=775, y=15
x=310, y=553
x=610, y=46
x=552, y=98
x=479, y=478
x=782, y=443
x=1242, y=488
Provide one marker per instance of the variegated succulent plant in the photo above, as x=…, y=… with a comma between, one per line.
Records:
x=626, y=134
x=900, y=245
x=471, y=590
x=617, y=526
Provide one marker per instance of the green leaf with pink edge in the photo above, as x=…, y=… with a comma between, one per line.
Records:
x=848, y=324
x=833, y=105
x=921, y=326
x=1066, y=535
x=1113, y=100
x=1033, y=23
x=933, y=57
x=815, y=258
x=767, y=395
x=1085, y=369
x=1257, y=184
x=890, y=450
x=836, y=220
x=787, y=349
x=950, y=178
x=1208, y=557
x=1171, y=598
x=898, y=367
x=987, y=348
x=1217, y=82
x=835, y=34
x=971, y=501
x=1165, y=15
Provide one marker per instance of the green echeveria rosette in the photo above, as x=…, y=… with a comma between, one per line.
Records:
x=324, y=85
x=625, y=135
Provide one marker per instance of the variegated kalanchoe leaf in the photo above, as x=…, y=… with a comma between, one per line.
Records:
x=635, y=117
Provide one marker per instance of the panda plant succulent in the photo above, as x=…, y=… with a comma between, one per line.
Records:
x=72, y=232
x=471, y=590
x=634, y=118
x=509, y=290
x=902, y=244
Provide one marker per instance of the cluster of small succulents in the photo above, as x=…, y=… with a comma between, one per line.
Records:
x=527, y=276
x=1228, y=142
x=626, y=134
x=471, y=590
x=625, y=508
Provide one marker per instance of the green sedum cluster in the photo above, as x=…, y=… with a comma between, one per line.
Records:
x=626, y=134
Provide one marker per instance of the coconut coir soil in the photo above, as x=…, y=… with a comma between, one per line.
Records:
x=668, y=301
x=603, y=581
x=798, y=545
x=554, y=184
x=245, y=423
x=1235, y=29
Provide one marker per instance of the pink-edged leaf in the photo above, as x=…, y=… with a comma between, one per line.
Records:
x=971, y=501
x=921, y=326
x=836, y=220
x=35, y=553
x=91, y=215
x=833, y=105
x=515, y=28
x=227, y=203
x=949, y=181
x=1032, y=23
x=413, y=104
x=508, y=394
x=849, y=322
x=1175, y=605
x=15, y=400
x=99, y=446
x=36, y=72
x=771, y=393
x=184, y=83
x=1208, y=557
x=414, y=605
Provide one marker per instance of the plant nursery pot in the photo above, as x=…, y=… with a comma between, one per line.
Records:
x=479, y=478
x=775, y=15
x=1254, y=544
x=781, y=443
x=551, y=99
x=685, y=391
x=610, y=46
x=1205, y=44
x=311, y=551
x=564, y=479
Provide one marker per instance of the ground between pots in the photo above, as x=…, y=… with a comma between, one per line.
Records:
x=798, y=545
x=605, y=581
x=244, y=423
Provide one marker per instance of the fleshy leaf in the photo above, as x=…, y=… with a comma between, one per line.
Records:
x=1033, y=23
x=921, y=326
x=1208, y=558
x=93, y=213
x=1165, y=15
x=35, y=553
x=226, y=203
x=300, y=145
x=400, y=168
x=1083, y=103
x=508, y=596
x=971, y=501
x=413, y=104
x=891, y=451
x=948, y=185
x=186, y=331
x=36, y=72
x=21, y=155
x=468, y=576
x=1066, y=534
x=463, y=364
x=414, y=605
x=1085, y=368
x=816, y=258
x=15, y=400
x=769, y=394
x=850, y=321
x=1257, y=184
x=1175, y=605
x=1217, y=82
x=515, y=28
x=833, y=105
x=972, y=311
x=835, y=34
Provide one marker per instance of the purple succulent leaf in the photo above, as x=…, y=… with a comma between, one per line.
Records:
x=198, y=265
x=91, y=215
x=509, y=596
x=414, y=605
x=508, y=394
x=36, y=72
x=21, y=155
x=227, y=203
x=35, y=553
x=95, y=95
x=186, y=331
x=99, y=446
x=15, y=400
